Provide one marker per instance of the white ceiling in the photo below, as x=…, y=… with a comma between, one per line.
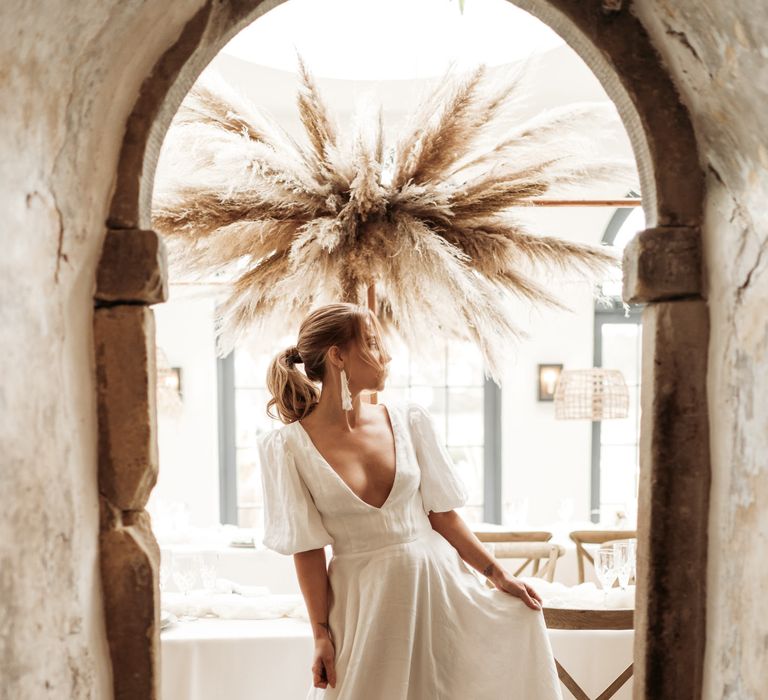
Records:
x=554, y=78
x=390, y=39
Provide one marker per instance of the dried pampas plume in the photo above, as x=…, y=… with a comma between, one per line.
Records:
x=428, y=220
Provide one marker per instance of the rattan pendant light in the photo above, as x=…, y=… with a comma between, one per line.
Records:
x=591, y=394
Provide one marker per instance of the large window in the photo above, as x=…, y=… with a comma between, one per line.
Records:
x=251, y=421
x=451, y=386
x=618, y=336
x=615, y=478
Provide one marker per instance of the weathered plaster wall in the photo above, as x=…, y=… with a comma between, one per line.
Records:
x=69, y=76
x=718, y=52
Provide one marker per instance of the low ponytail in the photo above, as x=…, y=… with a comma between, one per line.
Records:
x=293, y=394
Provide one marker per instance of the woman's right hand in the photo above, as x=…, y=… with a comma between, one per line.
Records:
x=324, y=664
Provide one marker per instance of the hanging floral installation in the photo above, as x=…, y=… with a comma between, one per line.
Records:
x=427, y=218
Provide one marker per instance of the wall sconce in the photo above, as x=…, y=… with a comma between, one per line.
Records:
x=170, y=379
x=548, y=378
x=168, y=385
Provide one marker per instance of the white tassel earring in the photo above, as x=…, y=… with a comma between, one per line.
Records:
x=346, y=396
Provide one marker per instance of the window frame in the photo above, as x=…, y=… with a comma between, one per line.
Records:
x=228, y=505
x=604, y=315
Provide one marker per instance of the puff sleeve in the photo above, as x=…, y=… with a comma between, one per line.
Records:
x=292, y=522
x=441, y=486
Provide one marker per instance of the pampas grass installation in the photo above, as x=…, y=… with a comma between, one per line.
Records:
x=291, y=224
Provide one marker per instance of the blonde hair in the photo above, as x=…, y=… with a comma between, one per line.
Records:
x=295, y=393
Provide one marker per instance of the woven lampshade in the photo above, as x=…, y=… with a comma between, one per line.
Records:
x=591, y=394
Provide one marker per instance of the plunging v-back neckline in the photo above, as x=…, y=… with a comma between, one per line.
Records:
x=326, y=463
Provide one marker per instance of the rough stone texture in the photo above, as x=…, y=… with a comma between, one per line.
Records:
x=133, y=268
x=71, y=80
x=126, y=389
x=663, y=263
x=71, y=75
x=130, y=560
x=718, y=52
x=205, y=32
x=674, y=490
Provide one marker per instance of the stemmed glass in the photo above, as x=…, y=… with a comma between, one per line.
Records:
x=622, y=560
x=186, y=566
x=184, y=572
x=605, y=568
x=209, y=571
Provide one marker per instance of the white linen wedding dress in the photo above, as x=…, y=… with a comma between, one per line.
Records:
x=408, y=617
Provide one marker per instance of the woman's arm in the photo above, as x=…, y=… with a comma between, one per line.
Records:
x=451, y=526
x=312, y=573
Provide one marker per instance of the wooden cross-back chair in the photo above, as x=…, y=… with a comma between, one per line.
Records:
x=505, y=547
x=582, y=537
x=546, y=552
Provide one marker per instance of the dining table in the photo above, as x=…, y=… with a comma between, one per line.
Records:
x=206, y=658
x=250, y=639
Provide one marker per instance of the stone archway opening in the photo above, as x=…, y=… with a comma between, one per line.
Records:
x=663, y=269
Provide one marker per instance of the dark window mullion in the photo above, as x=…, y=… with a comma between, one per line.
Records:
x=227, y=440
x=492, y=437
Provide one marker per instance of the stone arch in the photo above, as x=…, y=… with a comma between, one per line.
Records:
x=662, y=267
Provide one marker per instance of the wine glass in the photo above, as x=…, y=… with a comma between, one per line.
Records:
x=209, y=571
x=605, y=568
x=622, y=563
x=186, y=567
x=184, y=572
x=633, y=560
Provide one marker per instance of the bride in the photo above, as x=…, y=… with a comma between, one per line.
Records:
x=397, y=613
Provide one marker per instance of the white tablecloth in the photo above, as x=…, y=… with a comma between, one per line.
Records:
x=215, y=659
x=211, y=659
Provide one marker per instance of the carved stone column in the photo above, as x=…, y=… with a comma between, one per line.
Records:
x=131, y=275
x=663, y=266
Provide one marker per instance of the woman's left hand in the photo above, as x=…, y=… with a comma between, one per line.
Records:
x=516, y=587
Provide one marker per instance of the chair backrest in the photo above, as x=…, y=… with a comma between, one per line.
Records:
x=532, y=552
x=582, y=537
x=514, y=536
x=503, y=538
